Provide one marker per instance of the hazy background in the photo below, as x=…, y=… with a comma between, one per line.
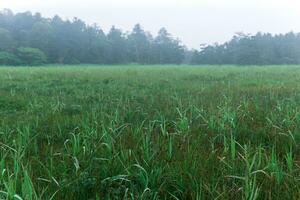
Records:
x=194, y=22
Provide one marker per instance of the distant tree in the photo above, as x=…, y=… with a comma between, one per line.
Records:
x=31, y=56
x=73, y=41
x=259, y=49
x=6, y=40
x=41, y=35
x=167, y=49
x=6, y=19
x=7, y=58
x=117, y=46
x=139, y=45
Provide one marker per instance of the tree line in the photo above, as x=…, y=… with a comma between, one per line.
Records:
x=259, y=49
x=27, y=38
x=30, y=39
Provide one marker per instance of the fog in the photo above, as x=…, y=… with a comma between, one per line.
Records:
x=194, y=22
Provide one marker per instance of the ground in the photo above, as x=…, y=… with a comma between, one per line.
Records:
x=150, y=132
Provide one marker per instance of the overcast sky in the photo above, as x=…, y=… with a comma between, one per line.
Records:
x=193, y=21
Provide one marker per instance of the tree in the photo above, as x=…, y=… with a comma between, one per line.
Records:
x=6, y=41
x=74, y=41
x=7, y=58
x=41, y=35
x=97, y=46
x=117, y=46
x=139, y=45
x=31, y=56
x=167, y=49
x=259, y=49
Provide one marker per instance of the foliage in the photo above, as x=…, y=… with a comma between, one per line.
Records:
x=31, y=56
x=6, y=41
x=73, y=41
x=7, y=58
x=132, y=132
x=260, y=49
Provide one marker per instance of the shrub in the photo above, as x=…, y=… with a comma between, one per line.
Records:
x=6, y=41
x=7, y=58
x=31, y=56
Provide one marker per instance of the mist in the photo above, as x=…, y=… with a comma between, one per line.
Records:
x=194, y=22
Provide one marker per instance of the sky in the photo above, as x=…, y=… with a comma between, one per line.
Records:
x=194, y=22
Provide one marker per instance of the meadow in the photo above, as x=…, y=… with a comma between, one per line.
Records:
x=150, y=132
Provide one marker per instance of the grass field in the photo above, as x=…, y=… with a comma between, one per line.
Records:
x=150, y=132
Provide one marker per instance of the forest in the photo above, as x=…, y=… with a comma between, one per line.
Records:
x=30, y=39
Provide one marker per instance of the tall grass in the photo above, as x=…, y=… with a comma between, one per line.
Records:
x=150, y=132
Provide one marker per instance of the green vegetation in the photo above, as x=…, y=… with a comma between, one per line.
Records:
x=259, y=49
x=31, y=56
x=8, y=59
x=151, y=132
x=74, y=42
x=25, y=56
